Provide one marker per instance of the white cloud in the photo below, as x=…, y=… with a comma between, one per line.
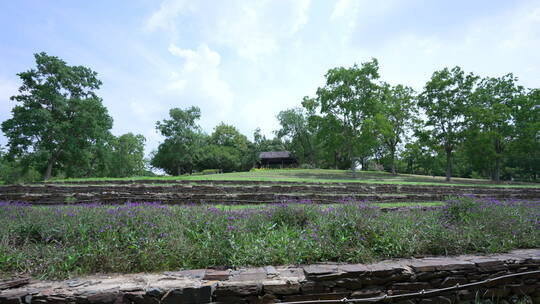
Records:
x=199, y=78
x=524, y=30
x=341, y=8
x=164, y=17
x=8, y=88
x=251, y=28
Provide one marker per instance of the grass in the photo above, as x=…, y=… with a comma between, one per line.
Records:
x=319, y=176
x=380, y=205
x=70, y=240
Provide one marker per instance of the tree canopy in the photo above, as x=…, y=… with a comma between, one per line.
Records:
x=58, y=111
x=460, y=124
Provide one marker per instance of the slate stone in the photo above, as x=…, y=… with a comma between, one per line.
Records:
x=281, y=288
x=384, y=269
x=350, y=283
x=452, y=281
x=271, y=271
x=10, y=299
x=314, y=297
x=216, y=275
x=318, y=270
x=154, y=292
x=266, y=299
x=314, y=287
x=426, y=276
x=354, y=268
x=368, y=292
x=411, y=286
x=141, y=298
x=104, y=298
x=172, y=297
x=238, y=289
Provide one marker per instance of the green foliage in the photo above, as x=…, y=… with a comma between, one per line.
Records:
x=462, y=127
x=445, y=101
x=297, y=134
x=491, y=119
x=127, y=157
x=395, y=115
x=63, y=241
x=229, y=150
x=348, y=101
x=58, y=111
x=183, y=141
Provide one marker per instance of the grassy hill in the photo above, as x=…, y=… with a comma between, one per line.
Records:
x=320, y=175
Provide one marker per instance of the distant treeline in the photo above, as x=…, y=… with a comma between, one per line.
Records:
x=459, y=125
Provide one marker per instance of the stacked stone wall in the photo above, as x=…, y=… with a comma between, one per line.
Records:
x=499, y=278
x=249, y=192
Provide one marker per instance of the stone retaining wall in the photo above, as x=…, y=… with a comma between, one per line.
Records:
x=393, y=278
x=249, y=193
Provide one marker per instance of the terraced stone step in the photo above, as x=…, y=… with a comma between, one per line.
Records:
x=459, y=279
x=189, y=193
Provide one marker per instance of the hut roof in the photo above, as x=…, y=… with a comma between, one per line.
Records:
x=275, y=154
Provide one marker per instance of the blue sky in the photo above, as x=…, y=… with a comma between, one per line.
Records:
x=242, y=62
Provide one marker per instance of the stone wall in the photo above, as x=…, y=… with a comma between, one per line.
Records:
x=248, y=192
x=404, y=281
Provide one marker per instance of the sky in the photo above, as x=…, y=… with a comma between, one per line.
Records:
x=241, y=62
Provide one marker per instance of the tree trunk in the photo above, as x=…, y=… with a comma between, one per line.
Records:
x=498, y=153
x=50, y=163
x=353, y=167
x=497, y=173
x=448, y=164
x=392, y=161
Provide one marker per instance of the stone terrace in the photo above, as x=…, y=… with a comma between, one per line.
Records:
x=241, y=192
x=387, y=281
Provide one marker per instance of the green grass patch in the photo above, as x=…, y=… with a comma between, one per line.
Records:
x=72, y=240
x=318, y=176
x=380, y=205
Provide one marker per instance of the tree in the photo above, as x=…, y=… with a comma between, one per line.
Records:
x=491, y=113
x=396, y=112
x=263, y=144
x=349, y=98
x=524, y=149
x=228, y=150
x=295, y=129
x=444, y=102
x=59, y=111
x=127, y=155
x=183, y=141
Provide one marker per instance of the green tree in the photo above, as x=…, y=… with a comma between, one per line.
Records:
x=397, y=110
x=349, y=97
x=295, y=130
x=263, y=144
x=127, y=157
x=183, y=141
x=58, y=111
x=228, y=150
x=444, y=102
x=329, y=139
x=491, y=113
x=524, y=149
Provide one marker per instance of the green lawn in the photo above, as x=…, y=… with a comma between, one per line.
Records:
x=381, y=205
x=322, y=175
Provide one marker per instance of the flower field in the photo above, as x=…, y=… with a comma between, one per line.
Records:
x=67, y=240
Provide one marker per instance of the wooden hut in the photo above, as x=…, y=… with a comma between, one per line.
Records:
x=277, y=159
